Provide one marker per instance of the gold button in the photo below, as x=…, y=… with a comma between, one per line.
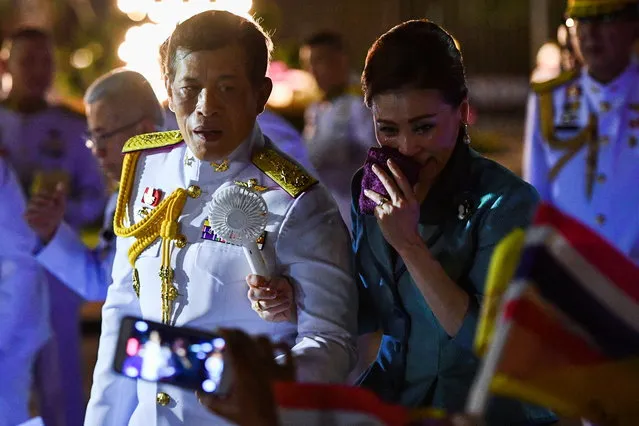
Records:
x=180, y=241
x=605, y=106
x=633, y=141
x=604, y=140
x=194, y=191
x=163, y=399
x=601, y=178
x=601, y=219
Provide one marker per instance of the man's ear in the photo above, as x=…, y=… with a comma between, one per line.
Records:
x=263, y=93
x=169, y=91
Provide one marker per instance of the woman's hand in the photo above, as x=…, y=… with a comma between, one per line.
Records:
x=398, y=216
x=251, y=401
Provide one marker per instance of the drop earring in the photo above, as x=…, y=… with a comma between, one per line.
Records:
x=466, y=134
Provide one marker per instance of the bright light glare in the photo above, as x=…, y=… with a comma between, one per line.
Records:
x=81, y=58
x=209, y=385
x=139, y=50
x=570, y=22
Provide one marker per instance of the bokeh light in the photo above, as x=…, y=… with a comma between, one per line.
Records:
x=140, y=48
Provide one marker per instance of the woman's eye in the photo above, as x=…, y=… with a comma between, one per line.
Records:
x=387, y=130
x=423, y=129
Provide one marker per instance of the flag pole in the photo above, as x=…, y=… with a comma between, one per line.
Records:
x=480, y=390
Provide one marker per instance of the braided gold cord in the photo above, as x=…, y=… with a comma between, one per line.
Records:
x=161, y=222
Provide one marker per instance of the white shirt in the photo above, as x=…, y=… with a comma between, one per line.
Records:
x=306, y=241
x=83, y=270
x=338, y=134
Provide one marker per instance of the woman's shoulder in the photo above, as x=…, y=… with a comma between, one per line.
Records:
x=494, y=180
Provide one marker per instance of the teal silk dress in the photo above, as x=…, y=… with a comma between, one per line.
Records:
x=474, y=203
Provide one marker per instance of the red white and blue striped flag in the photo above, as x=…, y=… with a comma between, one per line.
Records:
x=567, y=336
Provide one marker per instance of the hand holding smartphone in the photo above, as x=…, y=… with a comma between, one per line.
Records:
x=179, y=356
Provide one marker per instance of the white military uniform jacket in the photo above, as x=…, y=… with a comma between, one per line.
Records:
x=338, y=134
x=24, y=313
x=306, y=242
x=582, y=152
x=85, y=271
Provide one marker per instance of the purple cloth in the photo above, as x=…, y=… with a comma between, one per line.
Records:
x=380, y=156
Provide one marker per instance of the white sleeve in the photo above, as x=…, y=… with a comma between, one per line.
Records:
x=313, y=250
x=535, y=167
x=24, y=312
x=85, y=271
x=114, y=397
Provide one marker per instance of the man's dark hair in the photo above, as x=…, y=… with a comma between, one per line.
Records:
x=326, y=38
x=417, y=54
x=216, y=29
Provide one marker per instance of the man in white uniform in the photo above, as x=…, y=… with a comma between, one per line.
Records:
x=171, y=266
x=582, y=134
x=24, y=312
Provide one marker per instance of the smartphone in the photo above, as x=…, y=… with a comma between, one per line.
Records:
x=179, y=356
x=46, y=181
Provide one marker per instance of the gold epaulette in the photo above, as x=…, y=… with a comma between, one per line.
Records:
x=152, y=140
x=562, y=79
x=292, y=178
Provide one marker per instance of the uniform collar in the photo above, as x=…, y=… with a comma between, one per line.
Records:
x=222, y=171
x=612, y=95
x=450, y=188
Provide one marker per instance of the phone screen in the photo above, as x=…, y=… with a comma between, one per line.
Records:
x=179, y=356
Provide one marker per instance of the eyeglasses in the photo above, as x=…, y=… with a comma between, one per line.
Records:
x=93, y=140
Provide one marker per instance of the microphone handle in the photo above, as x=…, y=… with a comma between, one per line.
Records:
x=255, y=259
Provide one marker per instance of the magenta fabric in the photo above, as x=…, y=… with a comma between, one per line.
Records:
x=380, y=156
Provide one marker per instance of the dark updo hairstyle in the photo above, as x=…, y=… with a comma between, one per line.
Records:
x=416, y=54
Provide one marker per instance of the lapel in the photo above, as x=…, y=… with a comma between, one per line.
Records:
x=380, y=249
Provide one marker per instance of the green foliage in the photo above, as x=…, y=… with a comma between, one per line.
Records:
x=100, y=33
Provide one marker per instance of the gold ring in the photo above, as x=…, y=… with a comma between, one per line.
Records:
x=258, y=306
x=383, y=201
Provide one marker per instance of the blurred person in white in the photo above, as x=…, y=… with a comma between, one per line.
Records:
x=24, y=311
x=43, y=143
x=339, y=129
x=582, y=128
x=119, y=105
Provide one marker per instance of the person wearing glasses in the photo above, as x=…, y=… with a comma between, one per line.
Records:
x=42, y=142
x=582, y=131
x=119, y=105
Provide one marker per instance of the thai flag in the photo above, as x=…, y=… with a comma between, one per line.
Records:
x=568, y=334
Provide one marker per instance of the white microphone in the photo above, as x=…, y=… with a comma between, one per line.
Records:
x=239, y=215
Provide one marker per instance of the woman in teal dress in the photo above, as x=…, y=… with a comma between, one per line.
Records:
x=422, y=257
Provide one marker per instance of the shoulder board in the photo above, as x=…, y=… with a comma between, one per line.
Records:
x=289, y=176
x=152, y=140
x=549, y=85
